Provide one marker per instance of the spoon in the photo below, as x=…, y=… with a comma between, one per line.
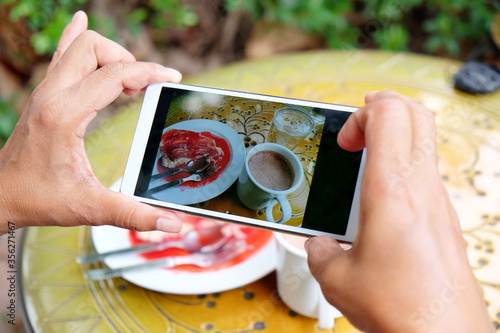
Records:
x=193, y=166
x=197, y=240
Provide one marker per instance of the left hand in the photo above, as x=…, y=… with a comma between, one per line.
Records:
x=45, y=175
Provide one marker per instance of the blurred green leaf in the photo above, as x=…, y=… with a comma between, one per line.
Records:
x=232, y=5
x=452, y=46
x=46, y=19
x=172, y=13
x=432, y=43
x=393, y=38
x=105, y=25
x=8, y=119
x=41, y=43
x=187, y=18
x=138, y=15
x=136, y=19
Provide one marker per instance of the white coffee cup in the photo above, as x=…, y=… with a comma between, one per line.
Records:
x=297, y=287
x=257, y=196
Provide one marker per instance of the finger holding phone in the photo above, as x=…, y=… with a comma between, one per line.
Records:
x=407, y=270
x=45, y=176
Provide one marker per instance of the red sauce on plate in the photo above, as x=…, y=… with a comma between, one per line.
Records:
x=255, y=239
x=218, y=162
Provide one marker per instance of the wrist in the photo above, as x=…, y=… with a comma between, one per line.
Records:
x=4, y=211
x=8, y=220
x=459, y=307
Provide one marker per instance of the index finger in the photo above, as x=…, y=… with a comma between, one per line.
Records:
x=86, y=54
x=78, y=24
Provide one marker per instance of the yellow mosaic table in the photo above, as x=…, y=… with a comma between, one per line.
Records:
x=57, y=298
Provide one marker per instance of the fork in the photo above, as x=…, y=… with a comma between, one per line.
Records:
x=193, y=166
x=194, y=178
x=200, y=259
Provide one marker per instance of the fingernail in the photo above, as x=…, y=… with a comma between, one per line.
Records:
x=306, y=245
x=168, y=225
x=75, y=15
x=173, y=72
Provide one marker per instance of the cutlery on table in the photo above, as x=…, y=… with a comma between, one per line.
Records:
x=201, y=259
x=196, y=177
x=193, y=166
x=197, y=240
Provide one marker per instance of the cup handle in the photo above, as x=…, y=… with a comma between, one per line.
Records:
x=286, y=209
x=326, y=313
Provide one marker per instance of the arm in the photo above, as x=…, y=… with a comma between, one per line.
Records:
x=45, y=176
x=407, y=270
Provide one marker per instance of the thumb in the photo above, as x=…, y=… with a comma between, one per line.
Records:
x=78, y=24
x=122, y=211
x=321, y=251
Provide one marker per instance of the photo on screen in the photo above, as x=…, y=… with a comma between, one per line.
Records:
x=198, y=149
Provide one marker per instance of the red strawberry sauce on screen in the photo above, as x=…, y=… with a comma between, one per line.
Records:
x=192, y=146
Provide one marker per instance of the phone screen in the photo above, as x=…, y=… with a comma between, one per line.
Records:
x=256, y=158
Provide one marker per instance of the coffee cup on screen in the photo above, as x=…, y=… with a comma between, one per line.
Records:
x=297, y=287
x=271, y=172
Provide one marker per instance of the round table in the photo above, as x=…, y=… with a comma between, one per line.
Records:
x=57, y=297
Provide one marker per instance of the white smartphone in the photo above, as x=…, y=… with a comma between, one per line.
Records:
x=257, y=160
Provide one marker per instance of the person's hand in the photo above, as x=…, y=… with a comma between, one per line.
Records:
x=407, y=270
x=45, y=176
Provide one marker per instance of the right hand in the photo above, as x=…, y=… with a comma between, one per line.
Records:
x=407, y=270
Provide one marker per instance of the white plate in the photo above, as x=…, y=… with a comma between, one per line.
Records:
x=261, y=263
x=189, y=195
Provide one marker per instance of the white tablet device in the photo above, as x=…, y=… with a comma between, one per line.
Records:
x=257, y=160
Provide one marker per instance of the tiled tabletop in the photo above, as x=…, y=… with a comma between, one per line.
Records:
x=57, y=298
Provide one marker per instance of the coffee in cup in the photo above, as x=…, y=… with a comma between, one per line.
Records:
x=271, y=173
x=271, y=170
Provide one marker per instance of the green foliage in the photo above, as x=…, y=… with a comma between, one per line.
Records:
x=458, y=21
x=45, y=40
x=8, y=119
x=172, y=13
x=394, y=37
x=443, y=24
x=313, y=16
x=136, y=20
x=105, y=25
x=161, y=15
x=47, y=18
